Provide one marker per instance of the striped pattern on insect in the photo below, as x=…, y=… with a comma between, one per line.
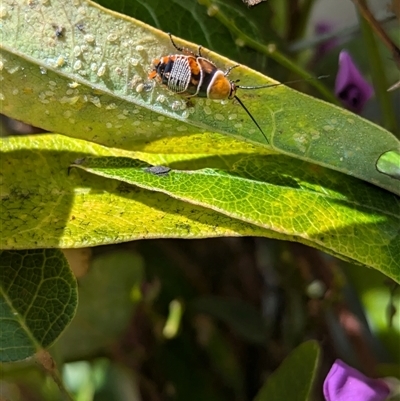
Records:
x=191, y=74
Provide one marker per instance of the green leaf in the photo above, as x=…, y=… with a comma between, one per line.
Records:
x=111, y=286
x=58, y=208
x=37, y=301
x=389, y=163
x=109, y=56
x=330, y=211
x=294, y=378
x=242, y=194
x=168, y=17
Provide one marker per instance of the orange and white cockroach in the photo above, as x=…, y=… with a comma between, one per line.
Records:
x=191, y=74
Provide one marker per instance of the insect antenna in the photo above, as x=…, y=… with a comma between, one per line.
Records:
x=180, y=49
x=249, y=114
x=281, y=83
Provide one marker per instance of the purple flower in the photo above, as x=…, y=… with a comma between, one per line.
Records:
x=350, y=86
x=322, y=28
x=345, y=383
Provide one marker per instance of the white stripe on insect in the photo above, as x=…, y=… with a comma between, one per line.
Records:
x=179, y=77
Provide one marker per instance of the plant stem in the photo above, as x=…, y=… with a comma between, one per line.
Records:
x=377, y=28
x=377, y=71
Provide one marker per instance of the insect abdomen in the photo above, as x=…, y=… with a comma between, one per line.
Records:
x=177, y=74
x=182, y=75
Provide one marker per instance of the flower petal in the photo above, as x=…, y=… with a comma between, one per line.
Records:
x=350, y=86
x=345, y=383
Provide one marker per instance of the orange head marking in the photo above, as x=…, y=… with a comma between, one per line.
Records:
x=159, y=64
x=221, y=87
x=152, y=74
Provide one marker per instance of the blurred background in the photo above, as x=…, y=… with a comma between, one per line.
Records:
x=211, y=319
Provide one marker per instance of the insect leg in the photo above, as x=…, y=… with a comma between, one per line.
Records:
x=228, y=71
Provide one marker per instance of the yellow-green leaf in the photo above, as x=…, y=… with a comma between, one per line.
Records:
x=91, y=82
x=43, y=204
x=203, y=195
x=317, y=206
